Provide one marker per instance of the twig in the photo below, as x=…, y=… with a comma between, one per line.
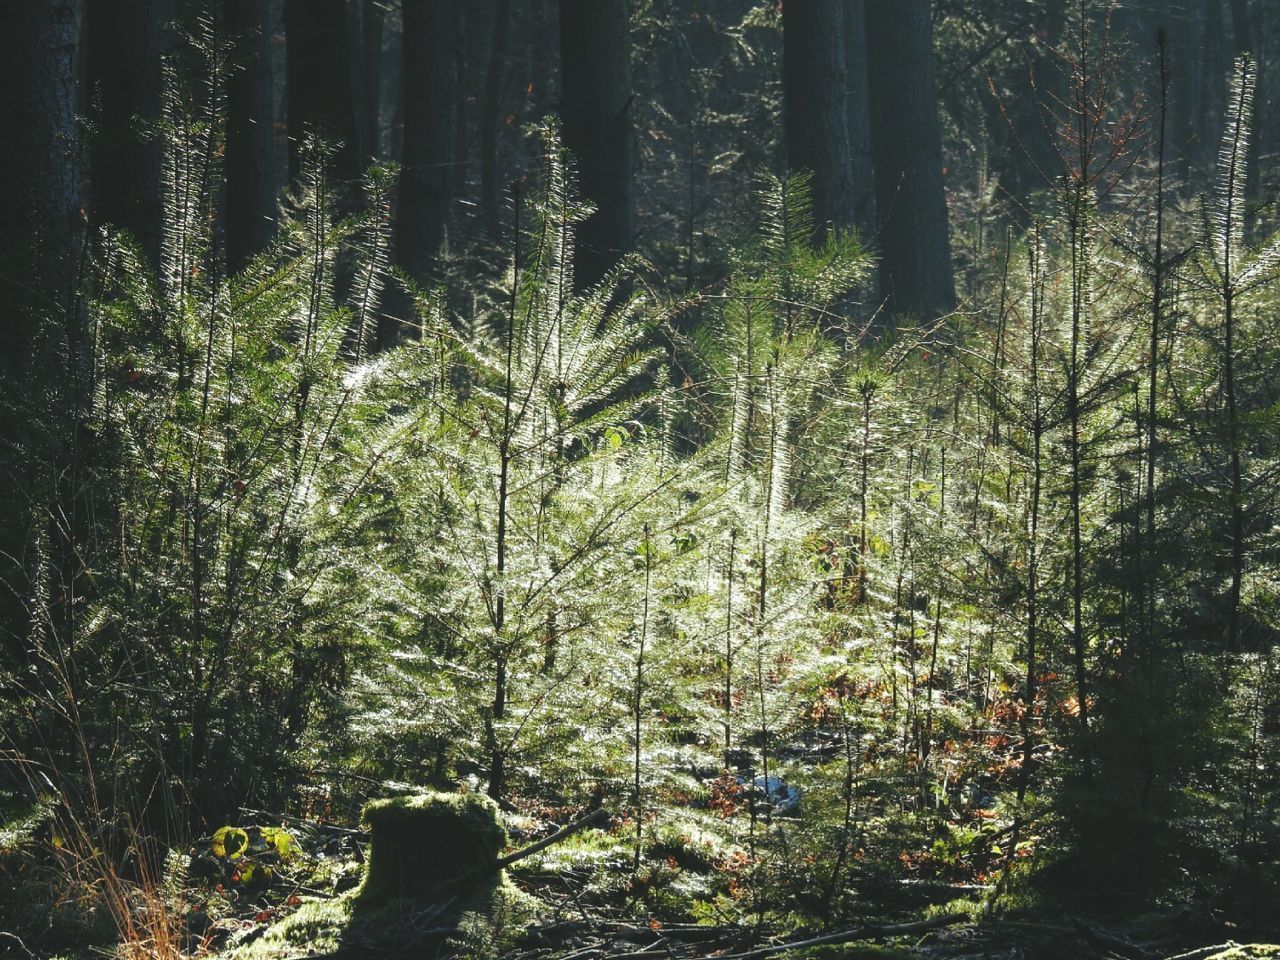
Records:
x=1201, y=952
x=18, y=940
x=851, y=936
x=1104, y=939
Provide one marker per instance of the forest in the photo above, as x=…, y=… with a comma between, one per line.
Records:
x=640, y=479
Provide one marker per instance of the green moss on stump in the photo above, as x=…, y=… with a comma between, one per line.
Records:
x=421, y=843
x=1248, y=951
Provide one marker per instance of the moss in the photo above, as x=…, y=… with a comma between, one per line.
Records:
x=420, y=843
x=484, y=922
x=317, y=925
x=1248, y=951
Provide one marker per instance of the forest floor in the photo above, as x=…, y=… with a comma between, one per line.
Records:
x=289, y=892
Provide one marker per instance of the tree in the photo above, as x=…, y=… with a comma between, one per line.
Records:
x=855, y=46
x=816, y=107
x=372, y=30
x=40, y=235
x=250, y=153
x=321, y=94
x=906, y=139
x=491, y=112
x=125, y=81
x=595, y=107
x=426, y=180
x=1242, y=43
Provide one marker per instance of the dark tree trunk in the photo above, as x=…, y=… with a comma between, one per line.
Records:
x=815, y=85
x=250, y=159
x=911, y=207
x=41, y=227
x=1181, y=133
x=1241, y=27
x=595, y=106
x=543, y=52
x=426, y=181
x=1211, y=82
x=372, y=28
x=491, y=115
x=319, y=85
x=125, y=84
x=855, y=45
x=464, y=52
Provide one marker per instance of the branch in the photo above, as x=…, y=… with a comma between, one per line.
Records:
x=568, y=830
x=851, y=936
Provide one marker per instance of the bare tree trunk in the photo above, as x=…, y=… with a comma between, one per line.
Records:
x=41, y=230
x=855, y=45
x=1210, y=81
x=320, y=90
x=816, y=107
x=595, y=106
x=426, y=180
x=911, y=207
x=1181, y=132
x=250, y=151
x=491, y=114
x=373, y=27
x=125, y=82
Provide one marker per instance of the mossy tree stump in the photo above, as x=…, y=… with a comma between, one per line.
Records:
x=422, y=844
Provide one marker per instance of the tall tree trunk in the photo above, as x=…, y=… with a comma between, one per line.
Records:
x=372, y=28
x=815, y=84
x=41, y=228
x=125, y=83
x=595, y=106
x=906, y=139
x=1211, y=81
x=542, y=52
x=319, y=86
x=464, y=51
x=491, y=114
x=250, y=151
x=1149, y=553
x=1181, y=132
x=855, y=46
x=426, y=181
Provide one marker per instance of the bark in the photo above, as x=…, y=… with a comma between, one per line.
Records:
x=41, y=228
x=543, y=51
x=465, y=52
x=915, y=270
x=319, y=85
x=595, y=107
x=372, y=28
x=123, y=41
x=1180, y=133
x=491, y=114
x=426, y=182
x=1211, y=87
x=1033, y=114
x=855, y=45
x=250, y=150
x=816, y=107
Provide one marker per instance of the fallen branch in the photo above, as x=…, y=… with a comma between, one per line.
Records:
x=563, y=833
x=851, y=936
x=568, y=830
x=1201, y=952
x=1102, y=938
